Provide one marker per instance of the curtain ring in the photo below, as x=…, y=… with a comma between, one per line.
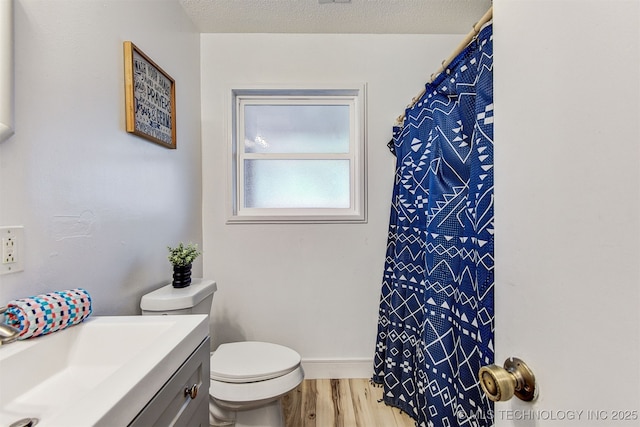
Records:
x=445, y=69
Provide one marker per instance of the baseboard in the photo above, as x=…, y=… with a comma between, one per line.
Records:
x=337, y=368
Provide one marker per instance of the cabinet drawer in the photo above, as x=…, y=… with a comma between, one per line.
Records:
x=172, y=405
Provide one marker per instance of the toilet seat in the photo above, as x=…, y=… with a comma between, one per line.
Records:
x=253, y=372
x=251, y=361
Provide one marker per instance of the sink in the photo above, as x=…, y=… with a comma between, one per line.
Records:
x=101, y=372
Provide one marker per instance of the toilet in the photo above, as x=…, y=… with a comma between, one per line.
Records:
x=247, y=379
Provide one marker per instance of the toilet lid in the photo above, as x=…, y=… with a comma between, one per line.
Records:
x=250, y=361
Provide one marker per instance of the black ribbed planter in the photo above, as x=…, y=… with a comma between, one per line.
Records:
x=181, y=276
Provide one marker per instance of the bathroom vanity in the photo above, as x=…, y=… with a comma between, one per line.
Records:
x=184, y=399
x=107, y=371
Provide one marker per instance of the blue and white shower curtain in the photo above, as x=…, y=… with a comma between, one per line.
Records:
x=435, y=326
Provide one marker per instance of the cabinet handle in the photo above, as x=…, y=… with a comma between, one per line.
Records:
x=192, y=391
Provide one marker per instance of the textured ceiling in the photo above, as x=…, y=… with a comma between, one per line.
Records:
x=356, y=16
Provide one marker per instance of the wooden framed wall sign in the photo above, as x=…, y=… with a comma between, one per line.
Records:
x=150, y=98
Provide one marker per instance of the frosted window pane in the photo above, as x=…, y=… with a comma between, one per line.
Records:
x=296, y=184
x=296, y=128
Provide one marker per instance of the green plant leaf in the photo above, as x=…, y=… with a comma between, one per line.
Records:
x=183, y=255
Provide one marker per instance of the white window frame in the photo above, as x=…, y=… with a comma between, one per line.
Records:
x=351, y=95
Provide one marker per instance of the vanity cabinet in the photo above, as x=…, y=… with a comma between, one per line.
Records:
x=176, y=404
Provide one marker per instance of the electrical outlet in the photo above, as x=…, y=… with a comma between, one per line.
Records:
x=9, y=250
x=12, y=249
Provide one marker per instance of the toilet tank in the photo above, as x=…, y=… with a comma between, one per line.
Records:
x=194, y=299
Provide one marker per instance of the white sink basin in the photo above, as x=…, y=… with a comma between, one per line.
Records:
x=98, y=373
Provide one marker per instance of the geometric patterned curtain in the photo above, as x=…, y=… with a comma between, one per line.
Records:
x=435, y=326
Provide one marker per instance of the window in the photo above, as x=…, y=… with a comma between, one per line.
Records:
x=298, y=155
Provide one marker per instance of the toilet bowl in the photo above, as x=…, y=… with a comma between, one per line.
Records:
x=247, y=379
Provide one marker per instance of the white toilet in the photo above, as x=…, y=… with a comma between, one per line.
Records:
x=247, y=379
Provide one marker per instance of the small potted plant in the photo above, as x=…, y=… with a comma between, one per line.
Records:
x=181, y=257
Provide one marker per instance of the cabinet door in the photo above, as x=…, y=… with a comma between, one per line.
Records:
x=172, y=405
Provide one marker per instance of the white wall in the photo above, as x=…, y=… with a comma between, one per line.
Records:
x=99, y=206
x=312, y=287
x=567, y=189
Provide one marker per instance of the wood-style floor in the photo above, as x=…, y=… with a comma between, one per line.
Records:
x=340, y=403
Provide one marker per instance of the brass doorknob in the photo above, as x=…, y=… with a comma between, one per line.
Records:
x=500, y=384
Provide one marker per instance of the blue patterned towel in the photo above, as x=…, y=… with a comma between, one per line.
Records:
x=43, y=314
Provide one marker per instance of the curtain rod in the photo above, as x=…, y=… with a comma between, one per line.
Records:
x=488, y=16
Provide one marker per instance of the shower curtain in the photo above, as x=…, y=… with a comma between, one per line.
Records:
x=435, y=327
